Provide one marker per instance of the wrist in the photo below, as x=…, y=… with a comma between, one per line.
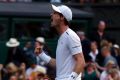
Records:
x=45, y=57
x=73, y=75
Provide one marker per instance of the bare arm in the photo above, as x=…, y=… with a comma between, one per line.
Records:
x=80, y=63
x=52, y=63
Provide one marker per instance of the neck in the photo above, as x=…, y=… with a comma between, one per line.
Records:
x=108, y=54
x=93, y=51
x=101, y=31
x=62, y=28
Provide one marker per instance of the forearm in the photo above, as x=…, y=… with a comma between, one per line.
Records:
x=47, y=59
x=79, y=67
x=52, y=63
x=80, y=64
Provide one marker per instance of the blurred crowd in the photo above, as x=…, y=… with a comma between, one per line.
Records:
x=65, y=1
x=101, y=54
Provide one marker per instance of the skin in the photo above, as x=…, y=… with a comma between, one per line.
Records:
x=93, y=46
x=58, y=23
x=101, y=26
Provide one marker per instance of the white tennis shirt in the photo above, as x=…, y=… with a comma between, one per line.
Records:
x=68, y=45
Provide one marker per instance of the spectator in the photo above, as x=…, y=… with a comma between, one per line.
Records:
x=15, y=54
x=11, y=69
x=39, y=42
x=113, y=74
x=94, y=51
x=85, y=44
x=106, y=52
x=116, y=54
x=99, y=34
x=21, y=72
x=91, y=72
x=104, y=75
x=13, y=77
x=27, y=47
x=33, y=70
x=103, y=43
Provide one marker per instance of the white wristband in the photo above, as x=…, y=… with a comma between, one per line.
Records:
x=73, y=76
x=45, y=57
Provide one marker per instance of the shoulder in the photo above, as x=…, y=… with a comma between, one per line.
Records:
x=71, y=34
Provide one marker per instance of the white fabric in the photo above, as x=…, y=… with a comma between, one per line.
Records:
x=104, y=75
x=68, y=45
x=73, y=76
x=66, y=11
x=30, y=70
x=78, y=78
x=93, y=55
x=45, y=57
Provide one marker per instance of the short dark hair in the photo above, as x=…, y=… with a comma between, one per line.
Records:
x=65, y=20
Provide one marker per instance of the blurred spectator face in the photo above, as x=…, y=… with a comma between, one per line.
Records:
x=13, y=77
x=81, y=34
x=104, y=43
x=11, y=68
x=110, y=65
x=22, y=66
x=38, y=44
x=105, y=51
x=38, y=47
x=101, y=26
x=28, y=45
x=40, y=75
x=33, y=66
x=114, y=74
x=93, y=46
x=90, y=67
x=116, y=49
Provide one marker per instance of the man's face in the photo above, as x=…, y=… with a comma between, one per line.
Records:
x=93, y=46
x=104, y=52
x=38, y=48
x=101, y=26
x=55, y=19
x=38, y=44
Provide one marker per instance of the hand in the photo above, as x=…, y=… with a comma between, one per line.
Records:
x=38, y=49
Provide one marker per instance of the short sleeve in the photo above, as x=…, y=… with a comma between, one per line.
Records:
x=74, y=44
